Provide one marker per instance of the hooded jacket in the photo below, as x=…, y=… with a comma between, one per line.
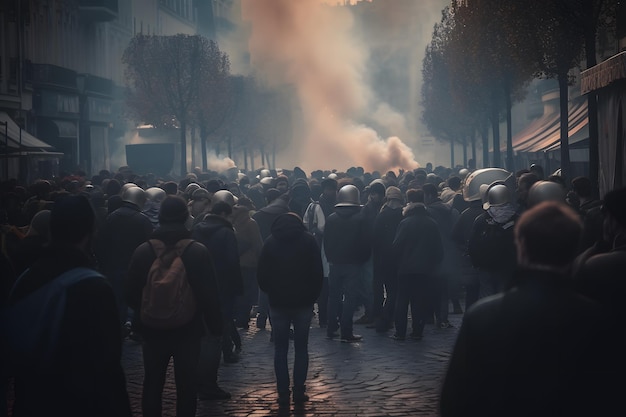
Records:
x=347, y=236
x=290, y=265
x=266, y=215
x=217, y=234
x=248, y=237
x=417, y=245
x=200, y=275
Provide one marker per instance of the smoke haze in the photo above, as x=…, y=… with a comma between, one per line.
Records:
x=311, y=47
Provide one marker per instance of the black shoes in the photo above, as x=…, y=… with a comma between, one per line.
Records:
x=351, y=338
x=214, y=394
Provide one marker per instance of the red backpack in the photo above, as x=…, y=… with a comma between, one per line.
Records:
x=167, y=300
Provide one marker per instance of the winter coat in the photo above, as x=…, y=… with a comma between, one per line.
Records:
x=266, y=216
x=385, y=227
x=248, y=237
x=539, y=349
x=200, y=275
x=87, y=376
x=290, y=266
x=125, y=229
x=347, y=237
x=602, y=279
x=417, y=246
x=217, y=234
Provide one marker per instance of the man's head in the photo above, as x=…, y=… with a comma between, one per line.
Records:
x=72, y=220
x=614, y=209
x=200, y=201
x=173, y=211
x=430, y=193
x=548, y=236
x=377, y=191
x=524, y=183
x=222, y=209
x=583, y=187
x=454, y=183
x=329, y=188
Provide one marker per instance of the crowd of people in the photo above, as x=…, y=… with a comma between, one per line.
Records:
x=534, y=260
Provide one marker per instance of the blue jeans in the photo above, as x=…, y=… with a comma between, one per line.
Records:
x=282, y=318
x=344, y=280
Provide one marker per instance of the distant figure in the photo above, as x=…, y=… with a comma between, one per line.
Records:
x=81, y=374
x=290, y=272
x=540, y=348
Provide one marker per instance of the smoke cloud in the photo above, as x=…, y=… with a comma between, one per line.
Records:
x=312, y=48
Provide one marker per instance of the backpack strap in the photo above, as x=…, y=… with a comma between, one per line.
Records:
x=160, y=248
x=66, y=279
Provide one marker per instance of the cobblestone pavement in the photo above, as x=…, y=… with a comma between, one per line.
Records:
x=375, y=377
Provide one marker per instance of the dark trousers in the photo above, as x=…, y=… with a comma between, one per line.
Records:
x=244, y=302
x=156, y=357
x=345, y=280
x=322, y=304
x=414, y=289
x=209, y=363
x=282, y=319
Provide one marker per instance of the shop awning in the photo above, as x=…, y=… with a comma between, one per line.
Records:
x=18, y=136
x=544, y=134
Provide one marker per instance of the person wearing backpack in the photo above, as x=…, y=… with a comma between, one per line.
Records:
x=173, y=287
x=63, y=342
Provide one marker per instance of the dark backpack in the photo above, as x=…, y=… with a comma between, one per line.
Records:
x=167, y=300
x=492, y=246
x=32, y=325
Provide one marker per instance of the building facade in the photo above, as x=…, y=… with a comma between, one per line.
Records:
x=62, y=79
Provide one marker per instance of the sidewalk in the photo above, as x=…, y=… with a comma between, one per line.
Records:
x=376, y=377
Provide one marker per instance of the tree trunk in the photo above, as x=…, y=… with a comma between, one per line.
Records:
x=230, y=147
x=183, y=148
x=565, y=164
x=484, y=132
x=464, y=151
x=452, y=153
x=592, y=107
x=203, y=140
x=473, y=142
x=245, y=159
x=495, y=126
x=510, y=163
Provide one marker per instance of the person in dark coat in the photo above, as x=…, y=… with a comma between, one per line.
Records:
x=125, y=229
x=602, y=275
x=182, y=342
x=384, y=265
x=86, y=377
x=418, y=250
x=216, y=232
x=347, y=247
x=290, y=272
x=264, y=218
x=540, y=348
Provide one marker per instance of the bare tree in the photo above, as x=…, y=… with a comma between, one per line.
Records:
x=167, y=76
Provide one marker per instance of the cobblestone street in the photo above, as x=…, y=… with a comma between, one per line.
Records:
x=376, y=377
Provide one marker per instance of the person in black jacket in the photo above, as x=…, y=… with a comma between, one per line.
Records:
x=347, y=248
x=418, y=248
x=540, y=348
x=384, y=264
x=215, y=231
x=182, y=343
x=290, y=272
x=85, y=377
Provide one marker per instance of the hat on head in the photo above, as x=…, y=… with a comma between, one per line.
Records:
x=173, y=210
x=393, y=193
x=200, y=194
